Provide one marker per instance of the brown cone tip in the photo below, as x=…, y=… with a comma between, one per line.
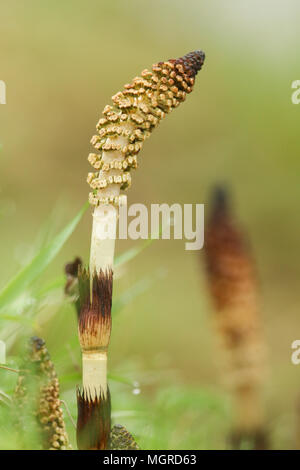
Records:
x=93, y=421
x=223, y=236
x=220, y=201
x=38, y=353
x=191, y=62
x=36, y=344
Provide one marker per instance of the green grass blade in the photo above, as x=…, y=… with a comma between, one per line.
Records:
x=122, y=380
x=18, y=319
x=39, y=263
x=130, y=294
x=132, y=253
x=53, y=285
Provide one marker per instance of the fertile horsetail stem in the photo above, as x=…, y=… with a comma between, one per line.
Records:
x=37, y=393
x=233, y=286
x=94, y=328
x=125, y=124
x=135, y=112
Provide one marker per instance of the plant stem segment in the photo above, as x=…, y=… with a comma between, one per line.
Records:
x=93, y=422
x=94, y=328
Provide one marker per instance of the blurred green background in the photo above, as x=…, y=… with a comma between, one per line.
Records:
x=62, y=61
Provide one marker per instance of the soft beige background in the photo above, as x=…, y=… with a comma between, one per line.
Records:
x=62, y=60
